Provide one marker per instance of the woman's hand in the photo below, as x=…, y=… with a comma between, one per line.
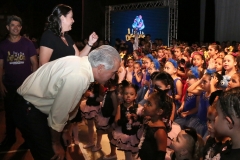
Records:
x=92, y=38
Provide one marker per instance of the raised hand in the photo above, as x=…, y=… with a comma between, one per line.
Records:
x=92, y=38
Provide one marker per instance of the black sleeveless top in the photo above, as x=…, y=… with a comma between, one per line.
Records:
x=124, y=120
x=149, y=149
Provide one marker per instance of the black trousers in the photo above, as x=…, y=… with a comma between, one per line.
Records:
x=10, y=107
x=34, y=127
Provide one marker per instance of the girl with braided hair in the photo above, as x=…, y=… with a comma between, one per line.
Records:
x=227, y=122
x=163, y=81
x=154, y=140
x=187, y=145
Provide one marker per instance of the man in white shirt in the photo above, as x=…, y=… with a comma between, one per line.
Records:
x=51, y=94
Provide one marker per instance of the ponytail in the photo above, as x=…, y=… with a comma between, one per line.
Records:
x=198, y=149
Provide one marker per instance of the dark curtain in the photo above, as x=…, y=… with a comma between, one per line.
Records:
x=189, y=20
x=209, y=29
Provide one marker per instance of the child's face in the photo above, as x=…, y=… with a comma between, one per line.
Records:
x=130, y=63
x=221, y=55
x=212, y=51
x=185, y=53
x=191, y=80
x=136, y=67
x=234, y=81
x=205, y=83
x=160, y=53
x=120, y=95
x=147, y=62
x=135, y=56
x=218, y=64
x=197, y=60
x=160, y=85
x=150, y=108
x=151, y=69
x=210, y=123
x=169, y=68
x=180, y=143
x=177, y=53
x=129, y=95
x=221, y=124
x=229, y=62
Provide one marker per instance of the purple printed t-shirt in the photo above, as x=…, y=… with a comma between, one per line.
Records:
x=16, y=57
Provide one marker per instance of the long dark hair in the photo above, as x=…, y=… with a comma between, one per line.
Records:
x=54, y=21
x=164, y=102
x=166, y=79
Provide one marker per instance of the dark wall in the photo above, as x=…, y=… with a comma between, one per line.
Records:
x=93, y=18
x=189, y=20
x=34, y=14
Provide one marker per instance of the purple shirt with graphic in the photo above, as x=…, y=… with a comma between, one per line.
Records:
x=16, y=60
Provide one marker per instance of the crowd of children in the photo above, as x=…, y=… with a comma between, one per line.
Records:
x=173, y=103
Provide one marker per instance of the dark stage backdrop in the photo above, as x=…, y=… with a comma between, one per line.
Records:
x=156, y=23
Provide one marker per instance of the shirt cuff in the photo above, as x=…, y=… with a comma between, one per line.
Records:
x=56, y=127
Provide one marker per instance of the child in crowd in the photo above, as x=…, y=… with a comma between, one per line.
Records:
x=90, y=109
x=168, y=53
x=187, y=53
x=191, y=101
x=154, y=139
x=213, y=52
x=160, y=54
x=154, y=67
x=153, y=70
x=121, y=71
x=171, y=68
x=137, y=73
x=136, y=55
x=178, y=52
x=164, y=81
x=227, y=122
x=222, y=55
x=125, y=134
x=234, y=81
x=129, y=69
x=230, y=65
x=199, y=61
x=147, y=60
x=219, y=66
x=106, y=117
x=215, y=143
x=187, y=146
x=202, y=88
x=150, y=90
